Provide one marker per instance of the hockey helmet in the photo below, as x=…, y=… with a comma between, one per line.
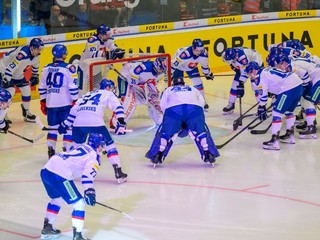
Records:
x=197, y=44
x=252, y=66
x=36, y=43
x=107, y=84
x=59, y=50
x=230, y=54
x=5, y=95
x=275, y=50
x=178, y=81
x=296, y=44
x=96, y=140
x=160, y=64
x=103, y=29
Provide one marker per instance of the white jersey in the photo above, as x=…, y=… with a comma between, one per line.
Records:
x=59, y=84
x=245, y=55
x=178, y=95
x=13, y=63
x=90, y=108
x=184, y=60
x=95, y=47
x=140, y=73
x=82, y=162
x=301, y=65
x=275, y=81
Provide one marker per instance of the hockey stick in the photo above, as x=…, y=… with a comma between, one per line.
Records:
x=218, y=75
x=27, y=139
x=233, y=137
x=256, y=125
x=237, y=122
x=263, y=131
x=240, y=107
x=125, y=214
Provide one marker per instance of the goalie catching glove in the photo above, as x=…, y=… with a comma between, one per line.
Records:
x=34, y=80
x=209, y=76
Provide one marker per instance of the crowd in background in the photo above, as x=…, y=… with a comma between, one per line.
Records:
x=85, y=15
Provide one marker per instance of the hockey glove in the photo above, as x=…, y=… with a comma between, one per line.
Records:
x=209, y=76
x=240, y=90
x=262, y=113
x=43, y=106
x=117, y=53
x=5, y=128
x=306, y=87
x=34, y=80
x=63, y=128
x=73, y=103
x=6, y=83
x=121, y=127
x=90, y=196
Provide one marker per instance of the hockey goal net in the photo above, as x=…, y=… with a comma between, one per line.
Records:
x=96, y=69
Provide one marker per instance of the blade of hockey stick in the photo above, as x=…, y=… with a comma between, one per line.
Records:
x=236, y=122
x=27, y=139
x=216, y=75
x=126, y=130
x=125, y=214
x=42, y=127
x=263, y=131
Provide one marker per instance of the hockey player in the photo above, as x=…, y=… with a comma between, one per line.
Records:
x=58, y=91
x=238, y=58
x=86, y=116
x=287, y=87
x=309, y=73
x=187, y=59
x=58, y=177
x=13, y=66
x=141, y=88
x=183, y=112
x=98, y=45
x=5, y=101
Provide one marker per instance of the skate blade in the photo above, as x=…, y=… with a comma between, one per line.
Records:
x=154, y=165
x=288, y=141
x=228, y=113
x=271, y=148
x=46, y=236
x=121, y=180
x=311, y=136
x=213, y=165
x=29, y=120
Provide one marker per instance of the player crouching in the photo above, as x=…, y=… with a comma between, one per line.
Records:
x=183, y=114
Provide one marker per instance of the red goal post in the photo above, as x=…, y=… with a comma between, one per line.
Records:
x=96, y=69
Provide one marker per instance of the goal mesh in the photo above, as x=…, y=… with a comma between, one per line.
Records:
x=95, y=69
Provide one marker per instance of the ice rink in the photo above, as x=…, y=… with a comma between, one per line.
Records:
x=251, y=194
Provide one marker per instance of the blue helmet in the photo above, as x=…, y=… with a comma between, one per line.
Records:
x=5, y=95
x=275, y=50
x=59, y=50
x=296, y=44
x=252, y=66
x=107, y=83
x=230, y=54
x=160, y=64
x=178, y=81
x=95, y=140
x=103, y=29
x=36, y=43
x=197, y=44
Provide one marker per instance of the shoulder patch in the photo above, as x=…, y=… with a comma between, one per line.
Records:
x=72, y=68
x=138, y=69
x=20, y=56
x=91, y=39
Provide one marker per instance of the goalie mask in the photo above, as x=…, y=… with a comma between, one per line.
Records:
x=160, y=65
x=107, y=84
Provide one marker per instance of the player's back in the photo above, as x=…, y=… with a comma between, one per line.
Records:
x=177, y=95
x=253, y=55
x=91, y=107
x=71, y=165
x=57, y=78
x=306, y=64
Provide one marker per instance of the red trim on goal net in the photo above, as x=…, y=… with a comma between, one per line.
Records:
x=166, y=55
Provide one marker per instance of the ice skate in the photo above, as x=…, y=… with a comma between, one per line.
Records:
x=120, y=176
x=51, y=152
x=206, y=107
x=228, y=109
x=309, y=133
x=158, y=159
x=28, y=116
x=302, y=125
x=273, y=144
x=7, y=119
x=288, y=137
x=209, y=158
x=48, y=232
x=78, y=235
x=299, y=116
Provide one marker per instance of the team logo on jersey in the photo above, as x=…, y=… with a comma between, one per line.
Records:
x=192, y=65
x=244, y=61
x=138, y=69
x=183, y=55
x=20, y=56
x=72, y=69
